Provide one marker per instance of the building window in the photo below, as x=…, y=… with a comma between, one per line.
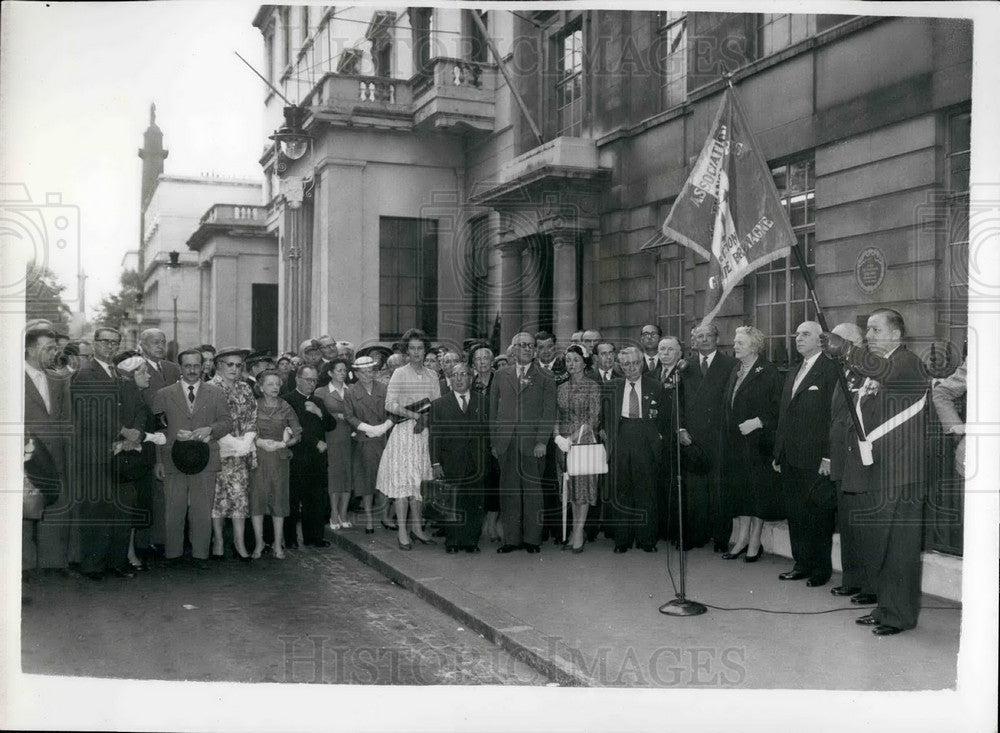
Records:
x=420, y=27
x=304, y=30
x=475, y=41
x=670, y=297
x=957, y=166
x=672, y=55
x=286, y=37
x=407, y=276
x=569, y=82
x=780, y=30
x=781, y=300
x=380, y=34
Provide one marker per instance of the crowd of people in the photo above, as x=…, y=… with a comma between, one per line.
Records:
x=130, y=455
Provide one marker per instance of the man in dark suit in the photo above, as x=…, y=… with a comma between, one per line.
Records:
x=162, y=373
x=854, y=581
x=458, y=438
x=892, y=463
x=523, y=415
x=639, y=411
x=705, y=382
x=649, y=338
x=193, y=411
x=97, y=421
x=45, y=541
x=307, y=470
x=549, y=360
x=604, y=371
x=801, y=443
x=448, y=359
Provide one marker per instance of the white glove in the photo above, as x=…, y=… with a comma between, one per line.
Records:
x=563, y=443
x=155, y=438
x=287, y=434
x=748, y=426
x=370, y=430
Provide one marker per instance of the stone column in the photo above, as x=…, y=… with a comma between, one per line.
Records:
x=510, y=290
x=565, y=283
x=531, y=281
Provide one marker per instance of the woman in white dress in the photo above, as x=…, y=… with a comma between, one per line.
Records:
x=406, y=461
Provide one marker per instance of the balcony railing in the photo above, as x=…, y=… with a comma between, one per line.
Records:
x=446, y=72
x=235, y=215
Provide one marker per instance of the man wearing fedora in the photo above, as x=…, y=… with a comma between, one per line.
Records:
x=196, y=415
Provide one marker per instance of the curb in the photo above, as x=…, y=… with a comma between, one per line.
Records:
x=546, y=654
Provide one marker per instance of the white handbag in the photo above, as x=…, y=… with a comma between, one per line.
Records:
x=586, y=460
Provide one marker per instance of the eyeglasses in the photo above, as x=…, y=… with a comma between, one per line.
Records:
x=525, y=345
x=649, y=333
x=308, y=379
x=232, y=363
x=113, y=342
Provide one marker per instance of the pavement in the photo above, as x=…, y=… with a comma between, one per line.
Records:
x=316, y=617
x=592, y=619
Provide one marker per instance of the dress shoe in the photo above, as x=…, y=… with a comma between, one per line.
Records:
x=422, y=541
x=93, y=575
x=733, y=555
x=451, y=549
x=756, y=556
x=591, y=536
x=886, y=630
x=864, y=599
x=123, y=572
x=532, y=549
x=369, y=530
x=139, y=566
x=621, y=549
x=817, y=581
x=646, y=548
x=404, y=545
x=793, y=575
x=867, y=620
x=317, y=543
x=845, y=590
x=388, y=526
x=504, y=549
x=472, y=549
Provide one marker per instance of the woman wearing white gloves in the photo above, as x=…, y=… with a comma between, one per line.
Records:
x=579, y=410
x=236, y=450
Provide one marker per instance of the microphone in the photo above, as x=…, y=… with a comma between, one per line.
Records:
x=681, y=365
x=675, y=375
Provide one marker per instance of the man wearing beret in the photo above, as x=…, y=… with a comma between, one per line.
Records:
x=194, y=411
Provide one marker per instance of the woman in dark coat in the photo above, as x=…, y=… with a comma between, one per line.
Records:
x=749, y=420
x=481, y=361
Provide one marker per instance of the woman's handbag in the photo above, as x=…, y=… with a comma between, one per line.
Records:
x=589, y=459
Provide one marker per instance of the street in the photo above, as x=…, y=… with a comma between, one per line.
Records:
x=319, y=616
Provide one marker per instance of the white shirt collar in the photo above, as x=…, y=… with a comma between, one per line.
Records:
x=808, y=363
x=185, y=385
x=35, y=374
x=707, y=356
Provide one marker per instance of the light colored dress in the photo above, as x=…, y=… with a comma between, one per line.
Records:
x=579, y=408
x=406, y=460
x=232, y=483
x=338, y=441
x=269, y=487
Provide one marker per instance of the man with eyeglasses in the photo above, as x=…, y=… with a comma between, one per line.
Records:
x=523, y=415
x=97, y=422
x=649, y=337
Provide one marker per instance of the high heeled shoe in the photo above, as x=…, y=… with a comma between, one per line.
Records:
x=386, y=525
x=404, y=545
x=756, y=557
x=733, y=555
x=421, y=540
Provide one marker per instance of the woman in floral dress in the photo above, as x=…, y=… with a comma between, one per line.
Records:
x=579, y=404
x=232, y=484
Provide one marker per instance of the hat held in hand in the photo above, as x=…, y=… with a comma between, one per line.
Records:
x=190, y=456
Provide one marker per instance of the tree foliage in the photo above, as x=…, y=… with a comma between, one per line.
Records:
x=119, y=309
x=43, y=296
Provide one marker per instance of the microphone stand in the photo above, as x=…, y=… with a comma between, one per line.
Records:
x=681, y=605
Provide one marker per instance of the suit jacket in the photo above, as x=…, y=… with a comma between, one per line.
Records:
x=526, y=409
x=305, y=457
x=900, y=457
x=655, y=410
x=657, y=367
x=168, y=373
x=50, y=427
x=558, y=370
x=759, y=395
x=458, y=441
x=802, y=439
x=703, y=400
x=97, y=415
x=840, y=420
x=592, y=372
x=211, y=409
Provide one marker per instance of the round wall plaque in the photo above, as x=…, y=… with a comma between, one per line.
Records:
x=869, y=270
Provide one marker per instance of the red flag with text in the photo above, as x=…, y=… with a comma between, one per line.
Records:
x=729, y=211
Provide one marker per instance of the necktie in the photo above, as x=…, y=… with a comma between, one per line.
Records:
x=607, y=376
x=461, y=400
x=633, y=402
x=190, y=396
x=800, y=375
x=520, y=372
x=651, y=362
x=704, y=364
